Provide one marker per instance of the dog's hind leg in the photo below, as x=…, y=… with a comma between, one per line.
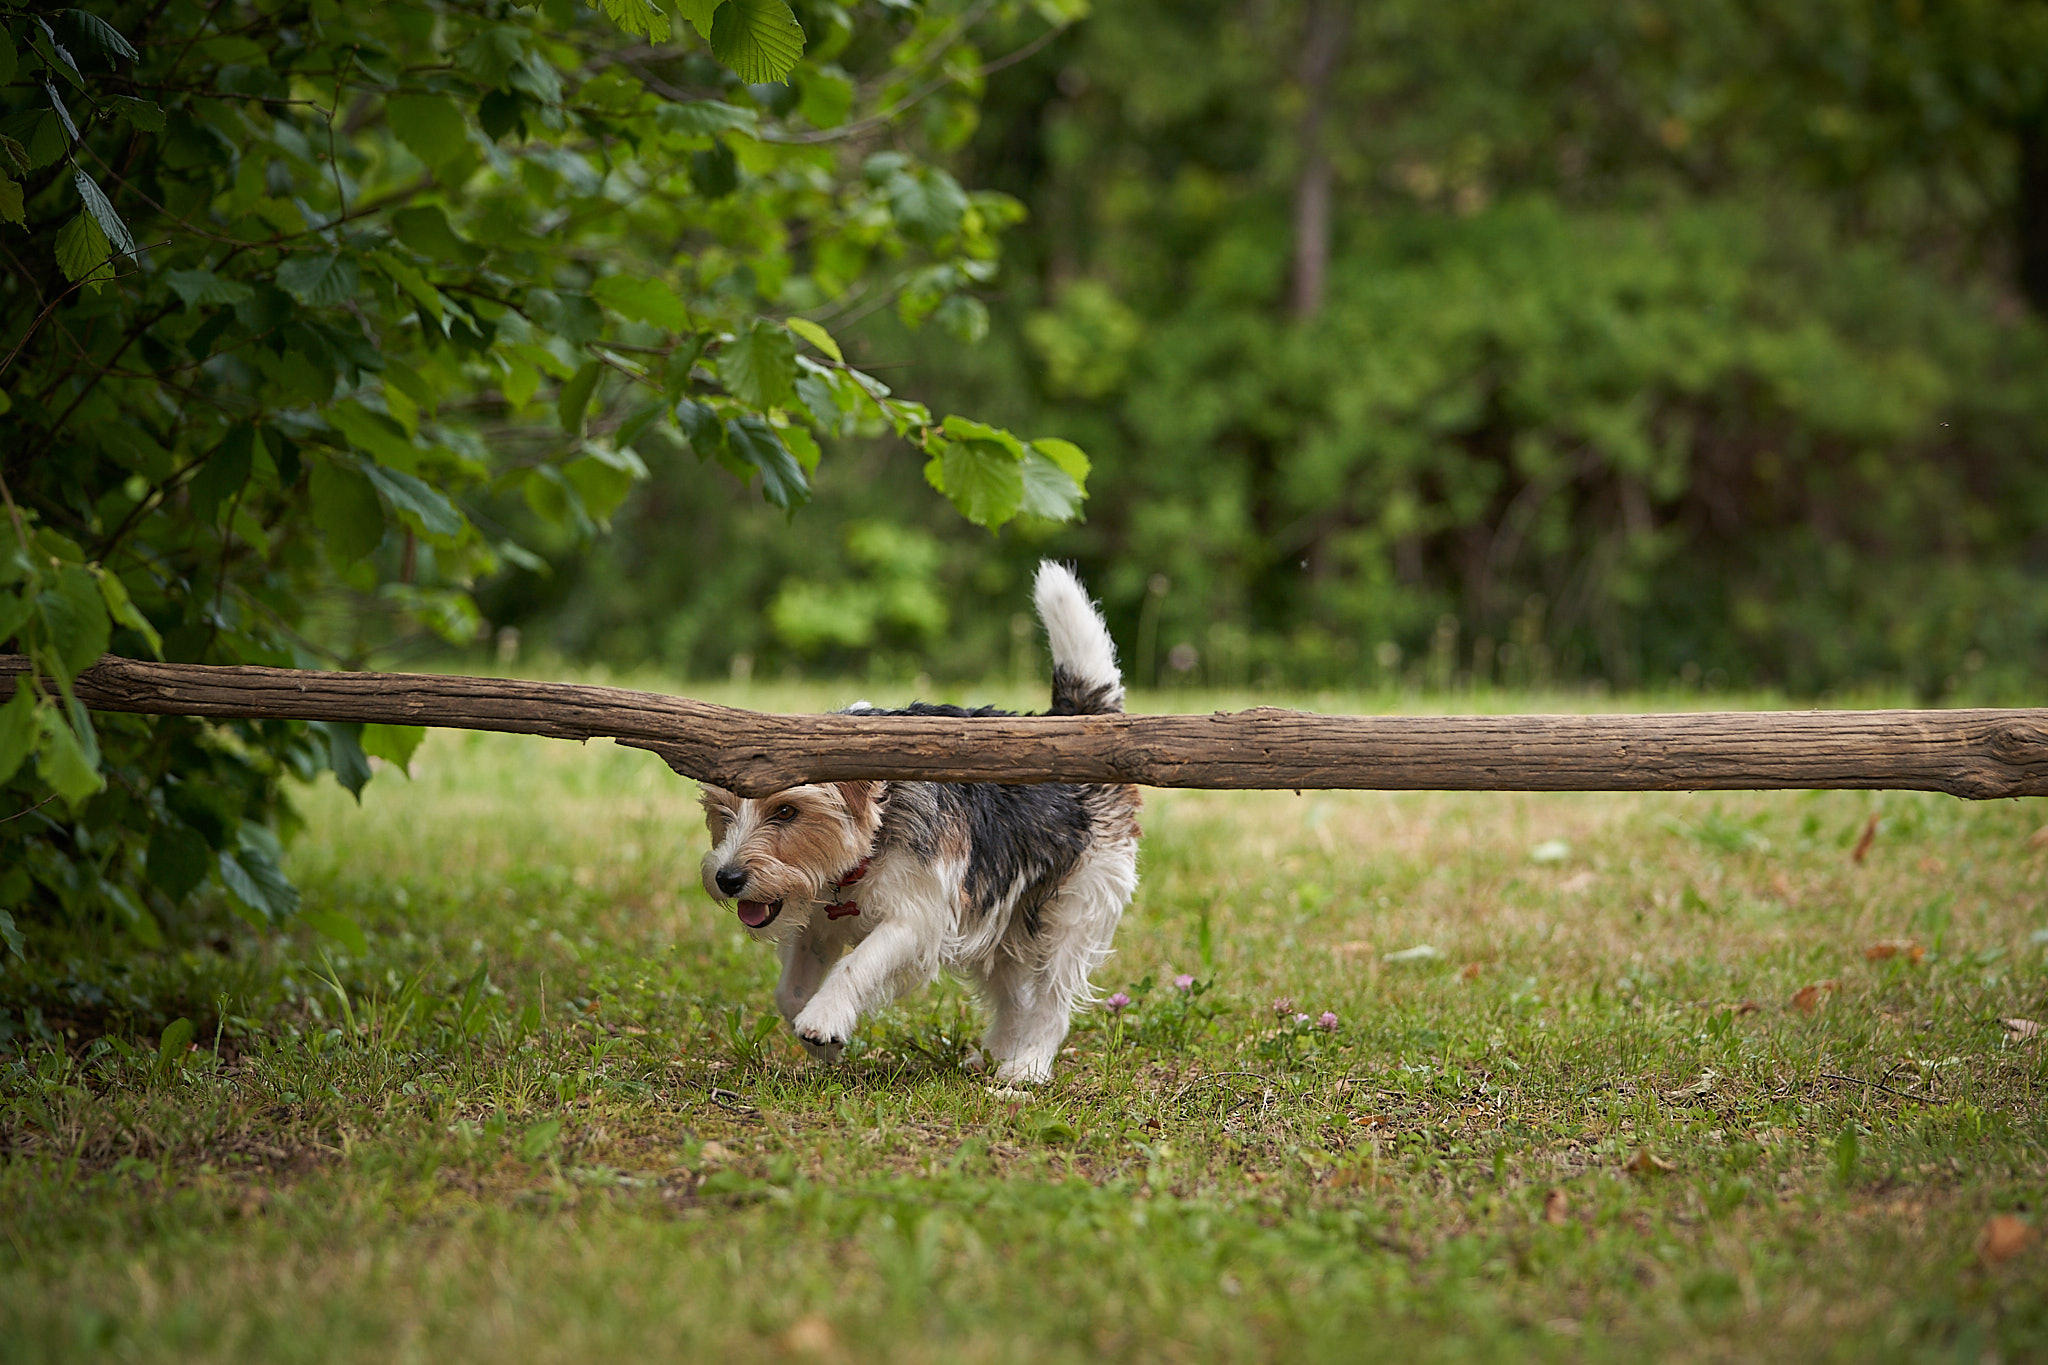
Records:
x=1034, y=1003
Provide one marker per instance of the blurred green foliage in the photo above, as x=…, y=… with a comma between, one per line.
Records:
x=1656, y=344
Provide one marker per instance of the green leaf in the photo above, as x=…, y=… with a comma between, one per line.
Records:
x=1066, y=455
x=177, y=860
x=173, y=1044
x=63, y=112
x=319, y=281
x=409, y=496
x=122, y=608
x=64, y=761
x=340, y=928
x=967, y=429
x=101, y=33
x=643, y=300
x=345, y=754
x=601, y=484
x=701, y=424
x=816, y=335
x=17, y=730
x=201, y=287
x=926, y=202
x=373, y=432
x=782, y=478
x=12, y=935
x=15, y=610
x=426, y=230
x=225, y=473
x=75, y=616
x=431, y=126
x=102, y=210
x=697, y=117
x=253, y=878
x=827, y=97
x=1049, y=491
x=699, y=13
x=575, y=318
x=715, y=172
x=639, y=17
x=415, y=284
x=980, y=478
x=145, y=116
x=641, y=418
x=759, y=39
x=758, y=366
x=82, y=251
x=574, y=398
x=804, y=446
x=395, y=744
x=11, y=204
x=346, y=510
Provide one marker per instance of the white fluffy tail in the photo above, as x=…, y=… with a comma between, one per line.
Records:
x=1085, y=680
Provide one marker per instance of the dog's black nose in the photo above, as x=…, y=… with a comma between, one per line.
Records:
x=731, y=879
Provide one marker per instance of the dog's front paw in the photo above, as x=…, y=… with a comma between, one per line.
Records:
x=822, y=1032
x=821, y=1052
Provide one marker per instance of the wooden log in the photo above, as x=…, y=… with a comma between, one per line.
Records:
x=1970, y=753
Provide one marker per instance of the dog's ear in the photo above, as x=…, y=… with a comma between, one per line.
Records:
x=717, y=800
x=862, y=799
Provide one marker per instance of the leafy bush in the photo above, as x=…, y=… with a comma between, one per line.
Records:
x=320, y=317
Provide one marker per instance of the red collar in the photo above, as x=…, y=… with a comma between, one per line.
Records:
x=841, y=909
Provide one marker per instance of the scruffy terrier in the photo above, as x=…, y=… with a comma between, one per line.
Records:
x=870, y=889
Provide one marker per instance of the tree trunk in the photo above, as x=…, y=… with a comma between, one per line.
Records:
x=1326, y=26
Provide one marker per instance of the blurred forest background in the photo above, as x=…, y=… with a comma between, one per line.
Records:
x=1593, y=341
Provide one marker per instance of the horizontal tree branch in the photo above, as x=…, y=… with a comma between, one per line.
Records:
x=1976, y=753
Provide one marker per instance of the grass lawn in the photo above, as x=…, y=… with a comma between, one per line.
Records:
x=1612, y=1076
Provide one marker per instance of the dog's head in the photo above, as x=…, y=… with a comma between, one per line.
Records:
x=778, y=858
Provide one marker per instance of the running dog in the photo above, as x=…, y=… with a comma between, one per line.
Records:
x=870, y=889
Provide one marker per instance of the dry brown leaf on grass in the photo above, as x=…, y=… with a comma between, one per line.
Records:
x=2004, y=1236
x=1470, y=971
x=2021, y=1030
x=1647, y=1162
x=1557, y=1208
x=1862, y=849
x=1809, y=999
x=1895, y=947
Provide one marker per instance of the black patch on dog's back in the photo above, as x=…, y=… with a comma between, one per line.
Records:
x=1027, y=837
x=1033, y=834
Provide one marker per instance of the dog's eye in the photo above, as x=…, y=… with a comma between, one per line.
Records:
x=782, y=815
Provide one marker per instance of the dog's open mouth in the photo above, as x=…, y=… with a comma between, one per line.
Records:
x=759, y=914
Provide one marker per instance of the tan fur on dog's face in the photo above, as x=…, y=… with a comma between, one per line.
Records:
x=793, y=846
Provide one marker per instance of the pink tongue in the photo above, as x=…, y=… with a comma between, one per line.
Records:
x=754, y=914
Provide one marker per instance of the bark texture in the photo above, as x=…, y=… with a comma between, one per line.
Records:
x=1978, y=754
